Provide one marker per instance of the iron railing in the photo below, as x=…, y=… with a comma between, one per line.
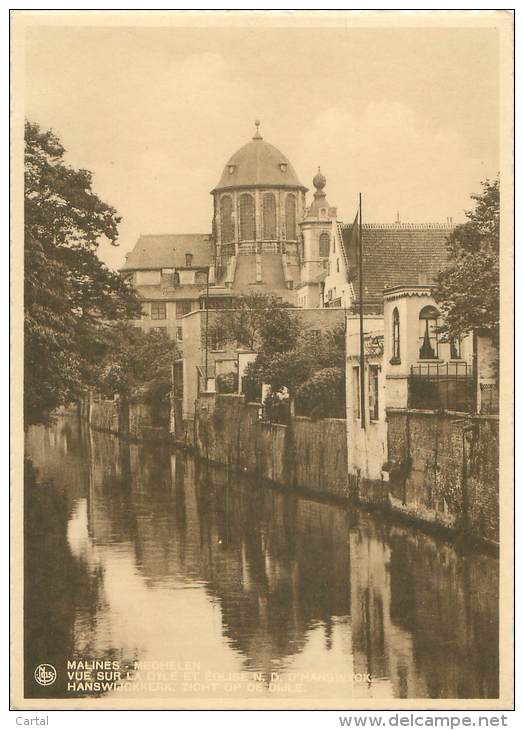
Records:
x=447, y=386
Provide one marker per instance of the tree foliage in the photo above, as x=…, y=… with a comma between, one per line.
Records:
x=138, y=363
x=290, y=360
x=71, y=297
x=227, y=383
x=290, y=366
x=309, y=369
x=254, y=320
x=323, y=394
x=469, y=288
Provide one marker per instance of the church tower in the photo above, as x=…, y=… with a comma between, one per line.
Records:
x=316, y=228
x=258, y=205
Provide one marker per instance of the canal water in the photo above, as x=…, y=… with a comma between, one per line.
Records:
x=194, y=583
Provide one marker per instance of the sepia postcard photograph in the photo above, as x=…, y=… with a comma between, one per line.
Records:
x=262, y=360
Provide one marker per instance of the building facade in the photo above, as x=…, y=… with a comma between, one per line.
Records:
x=259, y=226
x=265, y=238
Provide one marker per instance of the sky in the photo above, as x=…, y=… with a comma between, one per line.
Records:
x=407, y=116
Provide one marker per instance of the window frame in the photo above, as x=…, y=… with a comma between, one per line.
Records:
x=395, y=337
x=357, y=411
x=226, y=225
x=374, y=392
x=179, y=305
x=324, y=236
x=428, y=335
x=247, y=218
x=291, y=216
x=271, y=210
x=155, y=315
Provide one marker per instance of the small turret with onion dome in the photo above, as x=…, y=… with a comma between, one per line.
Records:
x=320, y=207
x=319, y=181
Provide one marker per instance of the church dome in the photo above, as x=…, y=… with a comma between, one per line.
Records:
x=258, y=164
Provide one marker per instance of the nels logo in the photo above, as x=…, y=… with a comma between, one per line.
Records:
x=45, y=674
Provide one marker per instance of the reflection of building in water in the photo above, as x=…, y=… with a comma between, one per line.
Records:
x=381, y=648
x=277, y=570
x=413, y=609
x=64, y=590
x=452, y=600
x=271, y=561
x=59, y=454
x=287, y=577
x=109, y=466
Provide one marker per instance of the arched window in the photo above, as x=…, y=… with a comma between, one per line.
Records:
x=323, y=245
x=395, y=359
x=226, y=219
x=291, y=218
x=269, y=217
x=247, y=217
x=428, y=333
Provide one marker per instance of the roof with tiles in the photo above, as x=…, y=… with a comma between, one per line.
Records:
x=395, y=254
x=169, y=251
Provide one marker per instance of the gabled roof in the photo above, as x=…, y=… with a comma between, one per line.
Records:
x=395, y=254
x=169, y=251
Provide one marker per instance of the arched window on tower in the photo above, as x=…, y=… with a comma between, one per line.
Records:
x=269, y=217
x=428, y=333
x=247, y=217
x=395, y=355
x=291, y=218
x=226, y=219
x=323, y=245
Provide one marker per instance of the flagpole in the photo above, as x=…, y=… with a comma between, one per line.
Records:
x=207, y=320
x=361, y=308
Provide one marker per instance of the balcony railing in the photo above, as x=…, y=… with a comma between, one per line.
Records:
x=447, y=386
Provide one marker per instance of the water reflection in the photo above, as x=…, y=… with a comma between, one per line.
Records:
x=137, y=553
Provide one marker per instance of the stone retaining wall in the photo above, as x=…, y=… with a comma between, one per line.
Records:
x=443, y=468
x=130, y=420
x=309, y=454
